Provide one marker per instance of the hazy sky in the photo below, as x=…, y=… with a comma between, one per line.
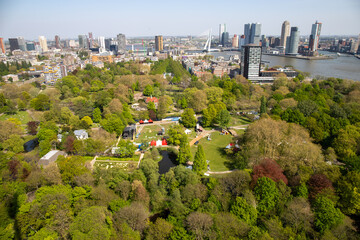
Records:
x=69, y=18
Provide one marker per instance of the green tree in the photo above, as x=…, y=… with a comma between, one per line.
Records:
x=263, y=105
x=199, y=160
x=148, y=91
x=348, y=188
x=92, y=223
x=188, y=119
x=266, y=194
x=244, y=211
x=326, y=215
x=15, y=144
x=184, y=151
x=96, y=115
x=223, y=118
x=160, y=230
x=113, y=124
x=41, y=102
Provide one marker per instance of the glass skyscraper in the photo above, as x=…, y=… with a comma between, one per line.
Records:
x=292, y=42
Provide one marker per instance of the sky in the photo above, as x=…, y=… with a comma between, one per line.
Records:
x=69, y=18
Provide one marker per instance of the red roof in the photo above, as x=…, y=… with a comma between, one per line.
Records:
x=150, y=121
x=141, y=121
x=164, y=142
x=153, y=143
x=152, y=99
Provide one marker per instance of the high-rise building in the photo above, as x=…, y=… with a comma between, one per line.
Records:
x=250, y=61
x=252, y=33
x=91, y=40
x=57, y=42
x=314, y=37
x=225, y=39
x=159, y=43
x=264, y=42
x=22, y=44
x=255, y=33
x=43, y=43
x=101, y=44
x=83, y=42
x=241, y=41
x=30, y=46
x=222, y=28
x=14, y=44
x=121, y=39
x=235, y=41
x=2, y=45
x=285, y=32
x=247, y=28
x=292, y=42
x=107, y=43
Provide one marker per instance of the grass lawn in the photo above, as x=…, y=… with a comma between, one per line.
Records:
x=238, y=120
x=22, y=116
x=149, y=132
x=214, y=151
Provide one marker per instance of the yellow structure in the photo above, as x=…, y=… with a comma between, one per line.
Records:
x=159, y=43
x=98, y=58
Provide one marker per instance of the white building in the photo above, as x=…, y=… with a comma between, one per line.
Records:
x=43, y=43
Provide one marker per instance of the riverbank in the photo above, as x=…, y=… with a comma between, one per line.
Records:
x=323, y=57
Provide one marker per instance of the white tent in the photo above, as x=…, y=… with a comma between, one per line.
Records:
x=158, y=143
x=187, y=131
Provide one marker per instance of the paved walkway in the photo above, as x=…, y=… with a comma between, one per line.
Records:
x=203, y=134
x=223, y=172
x=140, y=158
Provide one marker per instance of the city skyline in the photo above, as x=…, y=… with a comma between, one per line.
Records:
x=70, y=19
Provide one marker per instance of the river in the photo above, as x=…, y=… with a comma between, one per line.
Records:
x=344, y=66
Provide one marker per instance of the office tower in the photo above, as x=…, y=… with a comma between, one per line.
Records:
x=43, y=43
x=107, y=43
x=14, y=44
x=121, y=39
x=57, y=42
x=30, y=46
x=264, y=42
x=277, y=42
x=83, y=42
x=102, y=44
x=225, y=39
x=314, y=37
x=285, y=32
x=250, y=61
x=255, y=33
x=292, y=42
x=22, y=44
x=159, y=44
x=72, y=43
x=222, y=29
x=235, y=41
x=241, y=41
x=247, y=28
x=2, y=45
x=91, y=40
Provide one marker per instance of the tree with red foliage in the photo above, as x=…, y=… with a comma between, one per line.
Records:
x=152, y=114
x=318, y=183
x=268, y=168
x=32, y=127
x=13, y=168
x=69, y=144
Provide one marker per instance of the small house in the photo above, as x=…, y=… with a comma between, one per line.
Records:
x=187, y=131
x=158, y=143
x=51, y=157
x=129, y=132
x=81, y=134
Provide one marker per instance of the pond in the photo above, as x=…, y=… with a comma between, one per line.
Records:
x=167, y=162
